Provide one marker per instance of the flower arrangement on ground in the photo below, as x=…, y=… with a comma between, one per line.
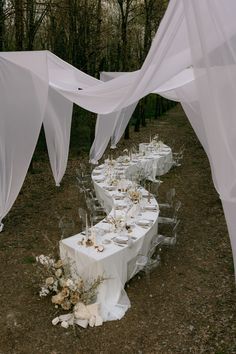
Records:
x=70, y=292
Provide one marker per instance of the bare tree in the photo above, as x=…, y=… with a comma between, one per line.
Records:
x=35, y=13
x=19, y=25
x=1, y=24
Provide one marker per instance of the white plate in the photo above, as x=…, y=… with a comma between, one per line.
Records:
x=150, y=207
x=96, y=173
x=110, y=188
x=144, y=222
x=121, y=239
x=99, y=178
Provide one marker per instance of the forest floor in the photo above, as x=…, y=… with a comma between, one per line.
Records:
x=189, y=305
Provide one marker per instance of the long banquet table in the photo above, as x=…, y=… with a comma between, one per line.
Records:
x=117, y=262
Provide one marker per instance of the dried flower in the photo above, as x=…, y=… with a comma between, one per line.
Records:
x=58, y=273
x=79, y=284
x=58, y=299
x=58, y=264
x=65, y=292
x=74, y=298
x=66, y=305
x=135, y=195
x=67, y=288
x=70, y=284
x=62, y=282
x=49, y=281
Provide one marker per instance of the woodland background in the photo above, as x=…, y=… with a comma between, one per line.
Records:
x=92, y=35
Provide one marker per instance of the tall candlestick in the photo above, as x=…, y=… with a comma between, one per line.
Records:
x=86, y=229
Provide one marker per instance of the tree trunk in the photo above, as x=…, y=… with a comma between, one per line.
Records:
x=19, y=26
x=137, y=120
x=30, y=24
x=124, y=10
x=98, y=39
x=1, y=25
x=156, y=107
x=142, y=111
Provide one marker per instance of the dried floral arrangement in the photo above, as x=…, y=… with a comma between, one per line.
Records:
x=135, y=195
x=69, y=292
x=118, y=222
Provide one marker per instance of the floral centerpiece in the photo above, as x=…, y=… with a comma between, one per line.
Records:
x=113, y=181
x=117, y=222
x=124, y=185
x=135, y=195
x=110, y=161
x=70, y=292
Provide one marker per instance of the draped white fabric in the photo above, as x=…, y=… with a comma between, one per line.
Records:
x=57, y=124
x=209, y=96
x=111, y=126
x=197, y=34
x=214, y=63
x=22, y=100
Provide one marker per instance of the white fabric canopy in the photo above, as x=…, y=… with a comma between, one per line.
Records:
x=28, y=99
x=23, y=99
x=197, y=34
x=111, y=126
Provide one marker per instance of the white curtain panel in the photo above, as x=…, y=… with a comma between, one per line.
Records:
x=57, y=126
x=111, y=126
x=23, y=98
x=212, y=39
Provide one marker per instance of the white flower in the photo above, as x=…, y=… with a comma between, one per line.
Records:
x=45, y=260
x=70, y=284
x=43, y=292
x=62, y=282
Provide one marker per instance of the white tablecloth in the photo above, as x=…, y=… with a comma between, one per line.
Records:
x=156, y=161
x=116, y=263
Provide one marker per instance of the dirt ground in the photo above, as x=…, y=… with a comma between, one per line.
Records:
x=189, y=306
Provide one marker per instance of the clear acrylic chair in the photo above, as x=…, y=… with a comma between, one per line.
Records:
x=178, y=157
x=96, y=212
x=155, y=185
x=169, y=202
x=149, y=262
x=66, y=225
x=173, y=219
x=168, y=240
